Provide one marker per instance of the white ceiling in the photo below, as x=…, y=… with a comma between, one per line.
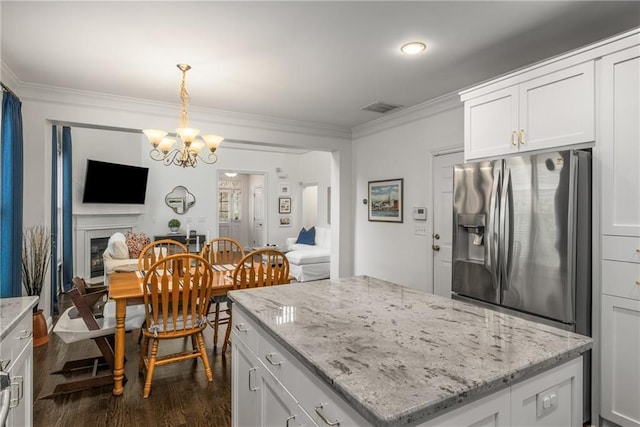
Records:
x=317, y=62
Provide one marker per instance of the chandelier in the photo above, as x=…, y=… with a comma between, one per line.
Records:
x=187, y=153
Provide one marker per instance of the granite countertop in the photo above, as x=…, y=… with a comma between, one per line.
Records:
x=12, y=310
x=399, y=355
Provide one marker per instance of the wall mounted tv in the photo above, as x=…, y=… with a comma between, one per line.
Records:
x=114, y=183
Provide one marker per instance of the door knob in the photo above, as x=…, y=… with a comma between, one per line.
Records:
x=435, y=247
x=436, y=236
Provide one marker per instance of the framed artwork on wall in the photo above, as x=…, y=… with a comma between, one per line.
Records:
x=285, y=221
x=284, y=207
x=385, y=200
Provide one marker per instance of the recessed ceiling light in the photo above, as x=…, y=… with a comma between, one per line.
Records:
x=413, y=48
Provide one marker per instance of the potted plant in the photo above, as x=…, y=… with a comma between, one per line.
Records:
x=174, y=225
x=36, y=253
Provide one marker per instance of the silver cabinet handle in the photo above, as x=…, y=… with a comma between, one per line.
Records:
x=292, y=417
x=241, y=327
x=24, y=335
x=250, y=371
x=321, y=415
x=270, y=359
x=17, y=381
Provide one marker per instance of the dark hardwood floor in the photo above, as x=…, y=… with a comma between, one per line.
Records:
x=180, y=393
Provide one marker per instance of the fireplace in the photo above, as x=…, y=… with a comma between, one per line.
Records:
x=98, y=246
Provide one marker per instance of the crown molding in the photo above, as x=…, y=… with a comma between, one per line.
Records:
x=50, y=94
x=438, y=105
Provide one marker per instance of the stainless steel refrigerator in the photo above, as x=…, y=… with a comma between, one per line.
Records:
x=522, y=237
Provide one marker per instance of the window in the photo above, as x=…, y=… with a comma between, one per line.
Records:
x=229, y=201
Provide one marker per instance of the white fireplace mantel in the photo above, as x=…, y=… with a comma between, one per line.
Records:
x=87, y=227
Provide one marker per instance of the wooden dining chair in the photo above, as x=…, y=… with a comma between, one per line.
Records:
x=222, y=253
x=264, y=267
x=157, y=250
x=177, y=289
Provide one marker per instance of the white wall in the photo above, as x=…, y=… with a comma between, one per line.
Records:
x=392, y=251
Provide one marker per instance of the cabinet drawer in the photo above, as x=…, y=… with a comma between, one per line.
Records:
x=278, y=361
x=244, y=328
x=616, y=248
x=15, y=342
x=621, y=279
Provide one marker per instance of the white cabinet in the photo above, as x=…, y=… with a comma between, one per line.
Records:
x=620, y=396
x=619, y=142
x=245, y=396
x=491, y=411
x=16, y=358
x=543, y=111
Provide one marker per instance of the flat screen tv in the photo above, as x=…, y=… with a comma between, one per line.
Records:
x=114, y=183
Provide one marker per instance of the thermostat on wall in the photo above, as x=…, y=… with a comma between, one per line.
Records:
x=420, y=213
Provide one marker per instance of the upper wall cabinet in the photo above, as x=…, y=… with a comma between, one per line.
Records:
x=544, y=110
x=619, y=142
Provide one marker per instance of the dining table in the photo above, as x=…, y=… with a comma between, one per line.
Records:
x=126, y=288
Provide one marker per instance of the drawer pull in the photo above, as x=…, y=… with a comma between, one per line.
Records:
x=242, y=328
x=250, y=371
x=321, y=415
x=513, y=138
x=24, y=335
x=270, y=359
x=292, y=417
x=521, y=137
x=19, y=383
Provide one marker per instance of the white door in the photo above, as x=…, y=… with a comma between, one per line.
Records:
x=443, y=221
x=257, y=234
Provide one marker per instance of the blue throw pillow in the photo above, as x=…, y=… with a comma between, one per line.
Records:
x=307, y=237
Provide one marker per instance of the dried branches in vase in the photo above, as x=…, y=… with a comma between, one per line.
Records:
x=36, y=252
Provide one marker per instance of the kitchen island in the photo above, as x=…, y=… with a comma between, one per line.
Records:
x=363, y=351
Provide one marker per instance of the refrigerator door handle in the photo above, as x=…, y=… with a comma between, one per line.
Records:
x=492, y=235
x=504, y=228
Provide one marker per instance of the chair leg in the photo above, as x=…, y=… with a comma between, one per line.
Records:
x=152, y=365
x=204, y=357
x=144, y=352
x=216, y=324
x=227, y=335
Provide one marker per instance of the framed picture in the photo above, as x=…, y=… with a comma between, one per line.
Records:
x=285, y=221
x=385, y=200
x=284, y=206
x=285, y=189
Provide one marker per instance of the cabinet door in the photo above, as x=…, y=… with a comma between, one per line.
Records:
x=620, y=393
x=21, y=413
x=558, y=109
x=489, y=124
x=279, y=408
x=245, y=395
x=620, y=147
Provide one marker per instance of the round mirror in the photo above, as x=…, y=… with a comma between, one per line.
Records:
x=180, y=200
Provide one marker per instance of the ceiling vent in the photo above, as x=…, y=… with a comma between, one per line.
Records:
x=380, y=107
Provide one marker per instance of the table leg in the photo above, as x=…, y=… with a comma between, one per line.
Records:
x=118, y=371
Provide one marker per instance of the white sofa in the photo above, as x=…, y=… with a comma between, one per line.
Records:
x=310, y=262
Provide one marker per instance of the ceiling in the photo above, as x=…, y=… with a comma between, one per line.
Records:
x=316, y=62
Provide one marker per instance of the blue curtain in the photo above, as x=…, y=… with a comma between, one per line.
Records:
x=67, y=211
x=11, y=198
x=54, y=219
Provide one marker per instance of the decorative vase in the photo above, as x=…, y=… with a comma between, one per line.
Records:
x=40, y=331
